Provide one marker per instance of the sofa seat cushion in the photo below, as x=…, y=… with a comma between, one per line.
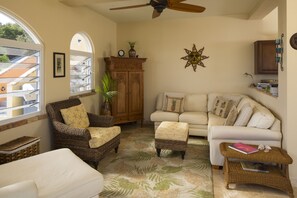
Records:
x=101, y=135
x=57, y=173
x=194, y=117
x=164, y=116
x=214, y=120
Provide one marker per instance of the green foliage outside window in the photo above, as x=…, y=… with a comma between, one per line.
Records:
x=14, y=32
x=4, y=59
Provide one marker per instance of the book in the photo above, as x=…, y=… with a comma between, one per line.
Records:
x=254, y=166
x=243, y=148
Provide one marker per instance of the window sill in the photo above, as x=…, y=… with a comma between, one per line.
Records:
x=83, y=95
x=22, y=122
x=263, y=91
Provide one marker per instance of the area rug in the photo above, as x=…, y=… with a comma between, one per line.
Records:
x=136, y=171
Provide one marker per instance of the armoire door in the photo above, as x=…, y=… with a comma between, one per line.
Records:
x=135, y=95
x=120, y=105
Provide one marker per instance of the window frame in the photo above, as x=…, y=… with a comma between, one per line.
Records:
x=90, y=54
x=36, y=45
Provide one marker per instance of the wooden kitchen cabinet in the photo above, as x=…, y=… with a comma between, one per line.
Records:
x=265, y=53
x=127, y=105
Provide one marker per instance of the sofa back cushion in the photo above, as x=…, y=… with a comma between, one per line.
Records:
x=261, y=118
x=159, y=102
x=212, y=96
x=195, y=103
x=246, y=100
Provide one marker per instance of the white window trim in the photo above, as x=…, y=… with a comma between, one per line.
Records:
x=87, y=54
x=34, y=46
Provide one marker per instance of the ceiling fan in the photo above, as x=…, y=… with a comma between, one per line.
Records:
x=160, y=5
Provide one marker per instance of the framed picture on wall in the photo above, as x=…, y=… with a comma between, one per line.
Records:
x=59, y=64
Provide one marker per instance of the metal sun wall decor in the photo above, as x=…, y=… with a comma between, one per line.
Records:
x=194, y=58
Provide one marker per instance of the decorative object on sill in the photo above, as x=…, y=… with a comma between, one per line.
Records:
x=269, y=86
x=132, y=52
x=121, y=53
x=194, y=58
x=293, y=41
x=108, y=91
x=279, y=51
x=251, y=76
x=59, y=64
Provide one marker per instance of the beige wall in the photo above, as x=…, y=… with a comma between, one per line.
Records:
x=55, y=24
x=228, y=42
x=290, y=72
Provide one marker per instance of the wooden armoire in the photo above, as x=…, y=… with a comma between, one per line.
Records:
x=127, y=105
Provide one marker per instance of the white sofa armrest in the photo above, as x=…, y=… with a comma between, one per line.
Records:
x=24, y=189
x=242, y=133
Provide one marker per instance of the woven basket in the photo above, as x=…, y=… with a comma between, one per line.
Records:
x=27, y=150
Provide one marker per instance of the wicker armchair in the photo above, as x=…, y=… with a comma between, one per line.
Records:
x=77, y=139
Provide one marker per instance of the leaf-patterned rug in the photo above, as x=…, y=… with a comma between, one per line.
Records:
x=136, y=171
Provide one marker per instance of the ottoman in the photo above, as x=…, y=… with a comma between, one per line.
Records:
x=172, y=136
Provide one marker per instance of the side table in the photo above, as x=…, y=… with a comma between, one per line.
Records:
x=277, y=177
x=19, y=148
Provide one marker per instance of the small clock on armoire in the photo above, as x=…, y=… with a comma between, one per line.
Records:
x=121, y=53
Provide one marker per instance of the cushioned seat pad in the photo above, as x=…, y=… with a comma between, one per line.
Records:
x=101, y=135
x=59, y=173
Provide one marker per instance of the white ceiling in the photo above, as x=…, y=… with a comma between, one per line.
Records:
x=232, y=8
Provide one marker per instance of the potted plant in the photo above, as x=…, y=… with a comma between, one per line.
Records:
x=108, y=92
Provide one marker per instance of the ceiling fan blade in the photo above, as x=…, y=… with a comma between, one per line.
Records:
x=128, y=7
x=156, y=13
x=186, y=7
x=171, y=2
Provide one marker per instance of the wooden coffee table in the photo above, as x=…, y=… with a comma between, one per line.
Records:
x=277, y=177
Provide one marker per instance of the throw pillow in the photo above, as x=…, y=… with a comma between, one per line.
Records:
x=222, y=106
x=231, y=116
x=173, y=104
x=244, y=115
x=76, y=116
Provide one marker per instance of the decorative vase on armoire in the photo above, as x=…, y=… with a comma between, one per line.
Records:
x=132, y=52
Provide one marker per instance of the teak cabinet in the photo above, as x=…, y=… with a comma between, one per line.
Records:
x=127, y=106
x=265, y=53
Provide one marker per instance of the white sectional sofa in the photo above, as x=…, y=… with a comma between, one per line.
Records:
x=58, y=173
x=259, y=126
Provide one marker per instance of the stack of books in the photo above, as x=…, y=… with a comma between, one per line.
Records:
x=243, y=148
x=254, y=166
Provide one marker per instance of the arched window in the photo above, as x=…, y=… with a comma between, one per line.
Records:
x=81, y=60
x=20, y=70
